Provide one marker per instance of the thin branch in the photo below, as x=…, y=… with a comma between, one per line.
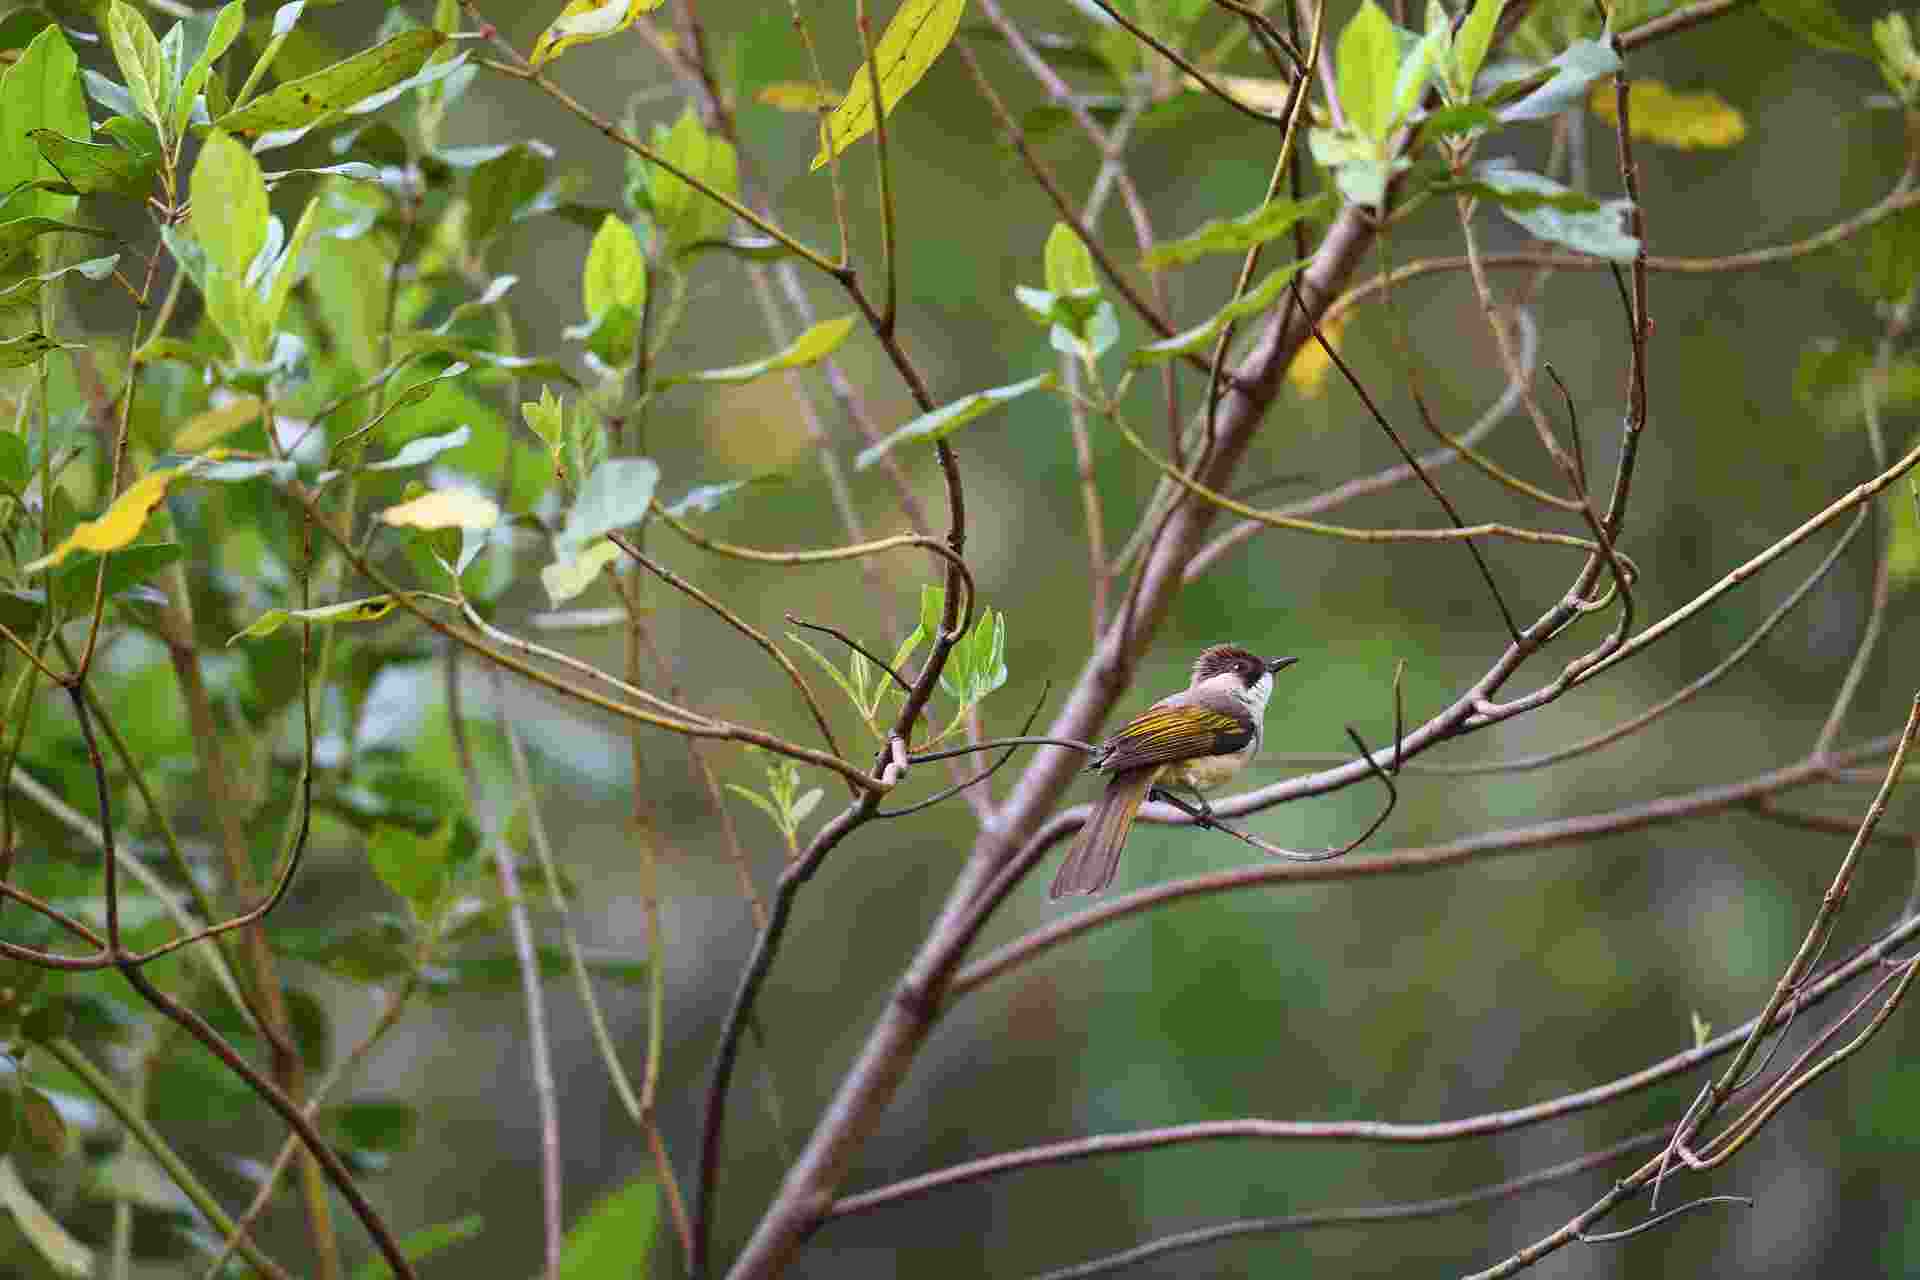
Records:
x=1316, y=1219
x=735, y=621
x=977, y=778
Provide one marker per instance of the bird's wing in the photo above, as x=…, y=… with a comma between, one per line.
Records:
x=1165, y=733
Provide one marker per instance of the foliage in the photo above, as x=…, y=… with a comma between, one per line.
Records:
x=375, y=507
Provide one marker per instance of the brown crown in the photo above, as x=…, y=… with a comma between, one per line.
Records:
x=1220, y=659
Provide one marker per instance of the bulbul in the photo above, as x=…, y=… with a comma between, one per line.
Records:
x=1198, y=738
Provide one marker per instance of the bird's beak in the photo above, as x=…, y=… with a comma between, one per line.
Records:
x=1279, y=664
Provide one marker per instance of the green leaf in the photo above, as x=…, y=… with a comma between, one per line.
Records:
x=1368, y=60
x=760, y=802
x=28, y=348
x=545, y=417
x=423, y=449
x=93, y=168
x=385, y=1124
x=1361, y=166
x=617, y=494
x=1890, y=258
x=1829, y=376
x=616, y=270
x=141, y=63
x=1515, y=189
x=503, y=186
x=42, y=1128
x=1069, y=263
x=811, y=347
x=916, y=36
x=368, y=610
x=227, y=25
x=11, y=1082
x=17, y=234
x=287, y=269
x=707, y=497
x=72, y=584
x=1471, y=43
x=1583, y=62
x=306, y=101
x=40, y=91
x=230, y=208
x=833, y=673
x=947, y=419
x=1820, y=25
x=615, y=1238
x=413, y=866
x=979, y=662
x=1257, y=300
x=1236, y=235
x=25, y=289
x=15, y=469
x=1903, y=534
x=933, y=604
x=63, y=1254
x=1598, y=232
x=423, y=1243
x=685, y=215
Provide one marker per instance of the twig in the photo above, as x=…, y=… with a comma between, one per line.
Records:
x=1316, y=1219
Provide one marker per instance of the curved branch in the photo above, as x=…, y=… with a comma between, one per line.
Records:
x=1866, y=960
x=738, y=623
x=1415, y=1209
x=1426, y=858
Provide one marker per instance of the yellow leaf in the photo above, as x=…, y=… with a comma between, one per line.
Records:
x=584, y=21
x=565, y=579
x=119, y=525
x=797, y=95
x=1308, y=372
x=203, y=429
x=919, y=33
x=1671, y=118
x=445, y=509
x=1269, y=96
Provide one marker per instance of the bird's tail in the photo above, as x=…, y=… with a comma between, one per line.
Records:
x=1090, y=866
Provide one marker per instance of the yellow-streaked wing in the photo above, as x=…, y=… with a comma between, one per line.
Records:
x=1165, y=733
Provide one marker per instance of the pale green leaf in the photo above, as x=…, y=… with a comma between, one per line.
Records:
x=309, y=99
x=1470, y=45
x=1583, y=62
x=811, y=347
x=29, y=348
x=1190, y=340
x=142, y=65
x=423, y=449
x=1368, y=60
x=229, y=204
x=947, y=419
x=617, y=494
x=1236, y=235
x=616, y=270
x=1069, y=264
x=370, y=609
x=686, y=215
x=41, y=90
x=227, y=25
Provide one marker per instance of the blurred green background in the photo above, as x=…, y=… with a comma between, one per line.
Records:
x=1408, y=998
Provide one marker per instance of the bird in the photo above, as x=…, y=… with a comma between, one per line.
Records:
x=1198, y=738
